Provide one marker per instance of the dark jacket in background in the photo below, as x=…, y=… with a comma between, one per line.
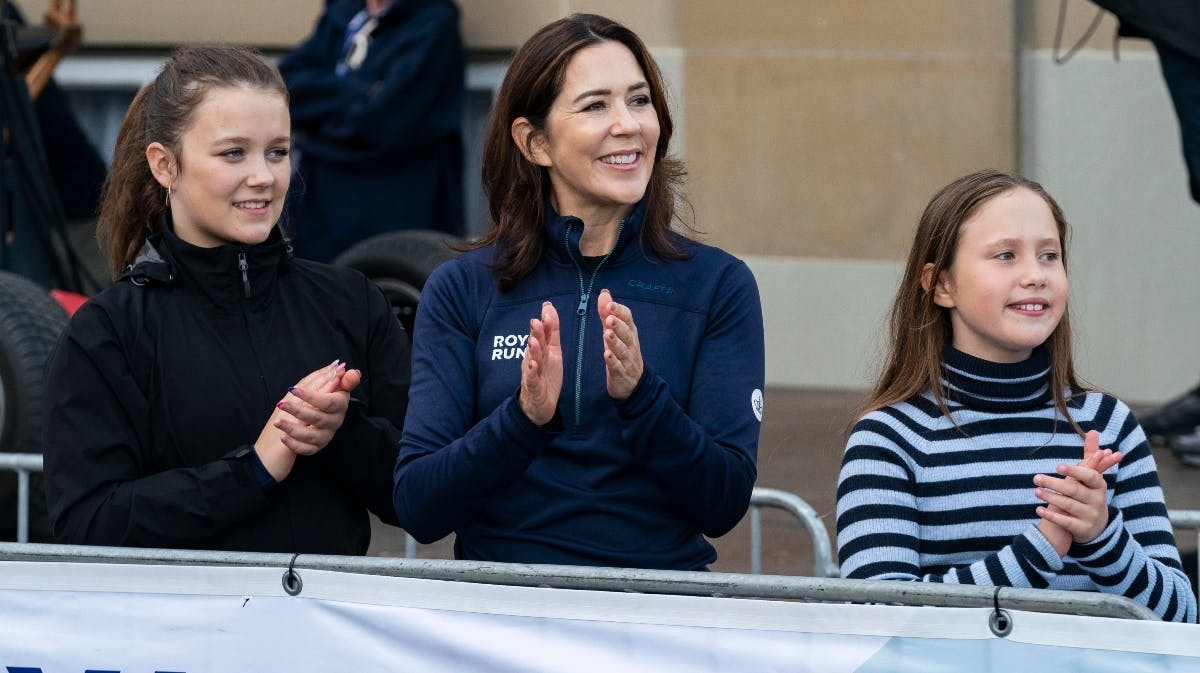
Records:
x=380, y=147
x=1174, y=28
x=161, y=383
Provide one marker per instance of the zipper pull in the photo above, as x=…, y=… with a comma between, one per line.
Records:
x=583, y=299
x=243, y=266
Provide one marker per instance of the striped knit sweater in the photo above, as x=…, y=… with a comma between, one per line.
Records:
x=922, y=500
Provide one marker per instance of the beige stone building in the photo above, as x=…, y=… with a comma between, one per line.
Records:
x=815, y=131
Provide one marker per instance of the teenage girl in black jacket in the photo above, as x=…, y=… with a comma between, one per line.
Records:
x=169, y=417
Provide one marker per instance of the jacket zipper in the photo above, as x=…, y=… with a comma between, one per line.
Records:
x=585, y=293
x=243, y=266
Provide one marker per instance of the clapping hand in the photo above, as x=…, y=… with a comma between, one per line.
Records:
x=542, y=368
x=622, y=352
x=1076, y=504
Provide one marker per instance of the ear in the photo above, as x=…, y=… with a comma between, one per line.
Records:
x=162, y=164
x=943, y=290
x=530, y=141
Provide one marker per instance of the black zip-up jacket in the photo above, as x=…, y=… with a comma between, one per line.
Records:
x=161, y=384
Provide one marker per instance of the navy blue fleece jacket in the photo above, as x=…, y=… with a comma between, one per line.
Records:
x=633, y=483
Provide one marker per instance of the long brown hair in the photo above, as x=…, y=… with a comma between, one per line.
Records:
x=133, y=202
x=919, y=329
x=517, y=188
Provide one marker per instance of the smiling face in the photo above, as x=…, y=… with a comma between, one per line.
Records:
x=232, y=173
x=601, y=134
x=1006, y=289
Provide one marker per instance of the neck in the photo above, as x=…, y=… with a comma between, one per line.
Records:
x=376, y=7
x=600, y=226
x=598, y=239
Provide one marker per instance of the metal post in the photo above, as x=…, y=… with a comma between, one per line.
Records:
x=755, y=540
x=22, y=506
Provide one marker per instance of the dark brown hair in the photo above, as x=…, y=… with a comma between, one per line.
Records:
x=133, y=202
x=919, y=329
x=517, y=188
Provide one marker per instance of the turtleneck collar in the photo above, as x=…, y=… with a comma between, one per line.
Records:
x=228, y=275
x=994, y=386
x=563, y=233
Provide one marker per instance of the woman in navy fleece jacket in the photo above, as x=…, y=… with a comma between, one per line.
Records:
x=587, y=383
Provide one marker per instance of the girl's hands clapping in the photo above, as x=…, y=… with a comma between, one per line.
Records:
x=542, y=369
x=622, y=351
x=1077, y=504
x=305, y=420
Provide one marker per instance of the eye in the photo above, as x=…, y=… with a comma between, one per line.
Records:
x=235, y=153
x=278, y=153
x=1051, y=255
x=594, y=106
x=640, y=101
x=1005, y=256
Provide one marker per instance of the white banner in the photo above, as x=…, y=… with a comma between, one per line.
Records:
x=65, y=617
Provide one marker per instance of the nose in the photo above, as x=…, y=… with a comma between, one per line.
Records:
x=1032, y=273
x=260, y=174
x=623, y=121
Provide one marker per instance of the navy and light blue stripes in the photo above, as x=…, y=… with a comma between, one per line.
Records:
x=922, y=499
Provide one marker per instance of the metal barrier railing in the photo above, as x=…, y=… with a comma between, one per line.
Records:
x=1187, y=519
x=23, y=464
x=676, y=582
x=823, y=563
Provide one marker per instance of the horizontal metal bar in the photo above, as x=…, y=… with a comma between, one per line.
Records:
x=1184, y=518
x=675, y=582
x=21, y=461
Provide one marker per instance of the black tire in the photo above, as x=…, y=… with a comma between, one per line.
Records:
x=400, y=262
x=30, y=324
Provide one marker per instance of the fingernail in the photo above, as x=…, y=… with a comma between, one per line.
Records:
x=334, y=363
x=279, y=404
x=545, y=303
x=291, y=389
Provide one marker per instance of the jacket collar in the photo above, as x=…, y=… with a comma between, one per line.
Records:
x=216, y=273
x=564, y=231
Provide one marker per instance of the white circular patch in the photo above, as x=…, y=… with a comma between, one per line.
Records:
x=756, y=403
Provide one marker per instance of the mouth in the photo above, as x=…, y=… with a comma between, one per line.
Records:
x=251, y=205
x=1030, y=306
x=621, y=160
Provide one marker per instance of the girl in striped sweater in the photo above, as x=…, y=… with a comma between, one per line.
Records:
x=978, y=459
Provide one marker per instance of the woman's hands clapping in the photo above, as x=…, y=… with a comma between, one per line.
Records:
x=542, y=369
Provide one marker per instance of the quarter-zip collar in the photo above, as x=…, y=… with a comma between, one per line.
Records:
x=563, y=233
x=228, y=276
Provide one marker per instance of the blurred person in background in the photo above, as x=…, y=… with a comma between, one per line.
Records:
x=377, y=102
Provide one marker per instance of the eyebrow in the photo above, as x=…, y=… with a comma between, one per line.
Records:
x=1013, y=242
x=607, y=92
x=241, y=140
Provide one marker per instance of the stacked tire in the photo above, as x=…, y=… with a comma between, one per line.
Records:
x=30, y=324
x=399, y=262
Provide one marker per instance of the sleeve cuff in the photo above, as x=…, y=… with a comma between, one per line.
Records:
x=1087, y=551
x=261, y=476
x=1044, y=555
x=643, y=394
x=248, y=456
